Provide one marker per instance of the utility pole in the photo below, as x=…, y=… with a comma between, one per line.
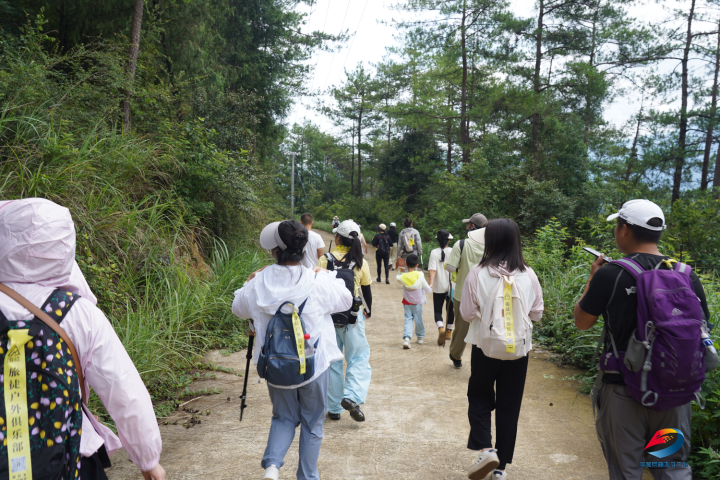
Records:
x=292, y=186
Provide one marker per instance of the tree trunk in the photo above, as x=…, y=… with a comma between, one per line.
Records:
x=704, y=180
x=633, y=151
x=389, y=120
x=716, y=179
x=135, y=28
x=588, y=110
x=680, y=157
x=536, y=88
x=464, y=137
x=359, y=190
x=352, y=162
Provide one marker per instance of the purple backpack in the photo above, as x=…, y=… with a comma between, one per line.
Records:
x=663, y=364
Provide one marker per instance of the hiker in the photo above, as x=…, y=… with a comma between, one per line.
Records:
x=414, y=288
x=37, y=261
x=348, y=391
x=465, y=254
x=335, y=222
x=629, y=416
x=409, y=241
x=381, y=242
x=501, y=296
x=314, y=248
x=362, y=238
x=315, y=296
x=393, y=245
x=442, y=286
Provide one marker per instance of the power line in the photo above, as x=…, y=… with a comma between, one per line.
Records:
x=327, y=12
x=356, y=33
x=333, y=57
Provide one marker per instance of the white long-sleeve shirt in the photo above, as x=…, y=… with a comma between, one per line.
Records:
x=324, y=294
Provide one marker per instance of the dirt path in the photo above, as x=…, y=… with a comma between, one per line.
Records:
x=416, y=412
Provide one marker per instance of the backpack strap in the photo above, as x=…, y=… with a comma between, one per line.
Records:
x=59, y=304
x=330, y=261
x=630, y=266
x=45, y=318
x=300, y=308
x=683, y=268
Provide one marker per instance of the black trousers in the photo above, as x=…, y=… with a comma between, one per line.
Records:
x=441, y=300
x=93, y=468
x=495, y=385
x=379, y=259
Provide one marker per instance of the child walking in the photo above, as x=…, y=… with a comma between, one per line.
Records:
x=442, y=287
x=414, y=288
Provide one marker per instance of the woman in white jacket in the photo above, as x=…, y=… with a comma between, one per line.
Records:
x=37, y=257
x=497, y=380
x=259, y=299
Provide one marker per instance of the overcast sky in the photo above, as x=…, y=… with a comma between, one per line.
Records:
x=363, y=17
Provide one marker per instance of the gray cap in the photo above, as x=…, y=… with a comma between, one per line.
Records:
x=270, y=237
x=477, y=219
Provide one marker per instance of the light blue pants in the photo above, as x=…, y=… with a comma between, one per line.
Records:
x=354, y=385
x=292, y=407
x=413, y=312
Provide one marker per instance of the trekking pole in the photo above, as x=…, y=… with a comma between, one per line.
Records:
x=330, y=247
x=249, y=356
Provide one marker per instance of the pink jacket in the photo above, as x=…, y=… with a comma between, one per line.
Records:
x=37, y=256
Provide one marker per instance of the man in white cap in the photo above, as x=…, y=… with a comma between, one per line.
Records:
x=624, y=426
x=381, y=241
x=393, y=244
x=465, y=255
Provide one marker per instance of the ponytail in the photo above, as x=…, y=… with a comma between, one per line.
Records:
x=443, y=237
x=355, y=254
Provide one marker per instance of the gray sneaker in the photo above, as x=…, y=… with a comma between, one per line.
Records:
x=485, y=463
x=498, y=475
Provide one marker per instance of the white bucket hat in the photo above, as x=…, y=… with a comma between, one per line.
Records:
x=346, y=227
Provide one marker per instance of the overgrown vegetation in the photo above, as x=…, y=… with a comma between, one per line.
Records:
x=166, y=216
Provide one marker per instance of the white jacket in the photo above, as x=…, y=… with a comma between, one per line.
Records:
x=414, y=287
x=260, y=298
x=37, y=256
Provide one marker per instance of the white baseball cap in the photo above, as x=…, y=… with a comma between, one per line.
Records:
x=639, y=212
x=270, y=237
x=345, y=228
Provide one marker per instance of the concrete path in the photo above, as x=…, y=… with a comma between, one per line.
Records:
x=416, y=413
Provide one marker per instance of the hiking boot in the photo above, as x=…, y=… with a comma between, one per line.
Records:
x=457, y=364
x=271, y=473
x=378, y=280
x=484, y=464
x=420, y=341
x=354, y=410
x=498, y=475
x=387, y=281
x=448, y=335
x=406, y=343
x=333, y=416
x=441, y=336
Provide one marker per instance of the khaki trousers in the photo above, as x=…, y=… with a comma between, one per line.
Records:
x=457, y=344
x=393, y=255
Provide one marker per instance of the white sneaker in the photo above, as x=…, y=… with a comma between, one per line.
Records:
x=420, y=341
x=406, y=343
x=271, y=473
x=498, y=475
x=485, y=463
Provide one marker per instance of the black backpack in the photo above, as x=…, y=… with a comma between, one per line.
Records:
x=52, y=413
x=346, y=274
x=383, y=243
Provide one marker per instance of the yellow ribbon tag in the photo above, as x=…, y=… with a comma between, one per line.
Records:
x=669, y=263
x=18, y=435
x=509, y=322
x=299, y=339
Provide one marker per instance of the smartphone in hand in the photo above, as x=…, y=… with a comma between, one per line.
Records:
x=597, y=254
